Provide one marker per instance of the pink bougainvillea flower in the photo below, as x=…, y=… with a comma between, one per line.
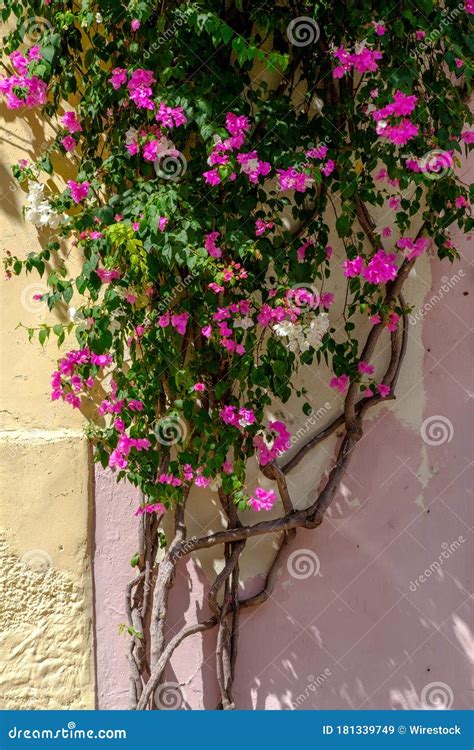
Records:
x=467, y=136
x=107, y=275
x=19, y=62
x=291, y=179
x=413, y=165
x=79, y=190
x=327, y=299
x=71, y=123
x=140, y=88
x=23, y=90
x=262, y=226
x=398, y=134
x=319, y=152
x=365, y=368
x=206, y=331
x=401, y=105
x=118, y=77
x=380, y=29
x=215, y=287
x=188, y=472
x=394, y=202
x=381, y=268
x=383, y=389
x=301, y=251
x=169, y=479
x=241, y=418
x=179, y=322
x=210, y=245
x=252, y=166
x=339, y=383
x=199, y=387
x=101, y=360
x=364, y=60
x=200, y=480
x=237, y=124
x=352, y=267
x=135, y=25
x=228, y=415
x=150, y=508
x=461, y=202
x=135, y=405
x=69, y=143
x=34, y=53
x=328, y=168
x=419, y=35
x=170, y=117
x=413, y=248
x=212, y=177
x=393, y=319
x=262, y=499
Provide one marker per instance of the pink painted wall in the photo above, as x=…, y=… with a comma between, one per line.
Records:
x=364, y=632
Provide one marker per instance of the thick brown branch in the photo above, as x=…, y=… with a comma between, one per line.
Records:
x=155, y=677
x=267, y=589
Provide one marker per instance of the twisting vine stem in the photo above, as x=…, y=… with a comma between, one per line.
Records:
x=234, y=538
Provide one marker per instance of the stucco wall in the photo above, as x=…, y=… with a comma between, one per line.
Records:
x=361, y=630
x=46, y=638
x=350, y=623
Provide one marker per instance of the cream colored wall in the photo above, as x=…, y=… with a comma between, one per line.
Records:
x=46, y=645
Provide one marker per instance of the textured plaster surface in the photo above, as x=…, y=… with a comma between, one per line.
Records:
x=46, y=638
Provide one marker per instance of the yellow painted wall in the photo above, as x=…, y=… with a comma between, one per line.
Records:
x=46, y=644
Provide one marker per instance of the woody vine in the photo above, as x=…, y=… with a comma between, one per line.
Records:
x=220, y=150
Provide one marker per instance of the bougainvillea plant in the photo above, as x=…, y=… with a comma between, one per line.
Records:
x=219, y=151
